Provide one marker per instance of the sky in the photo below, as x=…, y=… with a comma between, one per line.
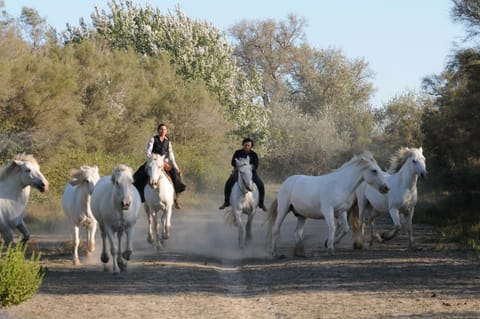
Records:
x=403, y=41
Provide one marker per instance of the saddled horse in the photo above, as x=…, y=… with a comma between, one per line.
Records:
x=244, y=200
x=16, y=177
x=115, y=205
x=159, y=199
x=327, y=196
x=76, y=206
x=407, y=164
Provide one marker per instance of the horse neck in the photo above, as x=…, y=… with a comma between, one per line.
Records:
x=407, y=176
x=355, y=178
x=241, y=183
x=11, y=187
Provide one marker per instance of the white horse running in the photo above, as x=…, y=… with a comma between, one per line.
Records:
x=326, y=196
x=407, y=164
x=16, y=177
x=159, y=197
x=115, y=205
x=76, y=206
x=244, y=200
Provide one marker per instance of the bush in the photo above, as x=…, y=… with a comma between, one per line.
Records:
x=20, y=278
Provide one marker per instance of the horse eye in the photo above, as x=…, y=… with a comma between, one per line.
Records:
x=414, y=161
x=374, y=171
x=28, y=170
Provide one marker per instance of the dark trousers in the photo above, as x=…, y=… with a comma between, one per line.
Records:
x=233, y=178
x=140, y=179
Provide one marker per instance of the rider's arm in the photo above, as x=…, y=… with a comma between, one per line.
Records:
x=148, y=150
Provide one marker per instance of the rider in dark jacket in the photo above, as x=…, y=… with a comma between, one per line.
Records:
x=246, y=150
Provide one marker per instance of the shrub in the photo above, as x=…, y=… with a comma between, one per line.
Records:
x=20, y=277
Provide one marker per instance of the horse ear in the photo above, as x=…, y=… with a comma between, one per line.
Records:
x=421, y=150
x=18, y=162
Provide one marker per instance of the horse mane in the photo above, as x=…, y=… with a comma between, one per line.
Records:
x=77, y=176
x=365, y=156
x=399, y=158
x=121, y=168
x=7, y=168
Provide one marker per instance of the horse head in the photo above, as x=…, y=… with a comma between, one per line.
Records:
x=419, y=162
x=30, y=174
x=155, y=169
x=245, y=173
x=85, y=175
x=122, y=179
x=410, y=159
x=374, y=175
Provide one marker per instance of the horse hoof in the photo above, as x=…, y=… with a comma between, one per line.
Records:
x=150, y=240
x=300, y=252
x=76, y=262
x=126, y=254
x=357, y=245
x=104, y=258
x=326, y=243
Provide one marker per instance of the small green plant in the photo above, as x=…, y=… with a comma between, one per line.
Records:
x=20, y=277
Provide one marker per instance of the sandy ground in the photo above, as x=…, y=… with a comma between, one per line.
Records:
x=202, y=274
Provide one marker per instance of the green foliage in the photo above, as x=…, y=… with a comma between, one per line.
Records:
x=20, y=278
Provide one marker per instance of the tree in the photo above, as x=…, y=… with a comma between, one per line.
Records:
x=197, y=50
x=400, y=124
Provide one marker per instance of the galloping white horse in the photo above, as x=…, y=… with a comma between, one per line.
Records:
x=244, y=200
x=16, y=177
x=115, y=204
x=76, y=206
x=159, y=197
x=326, y=196
x=407, y=164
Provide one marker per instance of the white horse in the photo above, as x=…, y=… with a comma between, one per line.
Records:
x=16, y=177
x=407, y=164
x=76, y=206
x=116, y=204
x=244, y=200
x=159, y=198
x=326, y=196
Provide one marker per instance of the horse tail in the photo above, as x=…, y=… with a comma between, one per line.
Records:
x=272, y=216
x=353, y=213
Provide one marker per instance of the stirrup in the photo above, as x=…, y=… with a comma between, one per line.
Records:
x=262, y=206
x=224, y=205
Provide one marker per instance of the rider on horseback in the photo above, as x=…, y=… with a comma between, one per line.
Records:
x=160, y=144
x=247, y=144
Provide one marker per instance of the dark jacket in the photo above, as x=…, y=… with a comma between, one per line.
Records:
x=242, y=154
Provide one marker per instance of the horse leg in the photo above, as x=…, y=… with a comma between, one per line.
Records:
x=113, y=249
x=249, y=226
x=156, y=227
x=122, y=264
x=330, y=220
x=283, y=210
x=76, y=243
x=25, y=233
x=344, y=227
x=394, y=214
x=91, y=230
x=299, y=245
x=127, y=253
x=411, y=241
x=167, y=222
x=241, y=229
x=150, y=222
x=104, y=257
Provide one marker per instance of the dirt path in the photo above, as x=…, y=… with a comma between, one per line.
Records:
x=202, y=274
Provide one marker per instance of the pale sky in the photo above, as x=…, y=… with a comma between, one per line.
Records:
x=402, y=40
